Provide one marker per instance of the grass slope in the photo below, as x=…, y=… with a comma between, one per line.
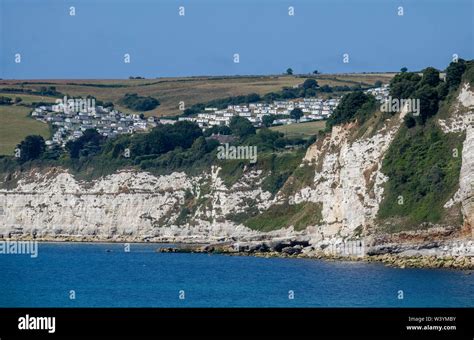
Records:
x=15, y=125
x=302, y=130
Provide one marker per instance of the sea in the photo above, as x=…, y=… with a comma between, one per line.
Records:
x=136, y=275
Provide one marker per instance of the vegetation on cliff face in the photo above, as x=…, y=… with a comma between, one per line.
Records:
x=423, y=163
x=423, y=166
x=284, y=215
x=353, y=106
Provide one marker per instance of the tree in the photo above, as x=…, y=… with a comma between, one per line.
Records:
x=296, y=113
x=443, y=90
x=378, y=83
x=87, y=145
x=32, y=147
x=310, y=84
x=5, y=100
x=138, y=103
x=218, y=130
x=430, y=77
x=428, y=97
x=454, y=73
x=347, y=109
x=241, y=127
x=403, y=85
x=403, y=69
x=267, y=120
x=315, y=72
x=53, y=152
x=409, y=121
x=289, y=71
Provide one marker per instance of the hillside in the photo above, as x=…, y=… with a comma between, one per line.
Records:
x=170, y=91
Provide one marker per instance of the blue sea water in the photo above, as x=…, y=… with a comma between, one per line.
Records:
x=104, y=275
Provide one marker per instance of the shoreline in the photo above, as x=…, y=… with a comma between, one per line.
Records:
x=460, y=262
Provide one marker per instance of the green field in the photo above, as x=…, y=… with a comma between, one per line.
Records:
x=15, y=125
x=301, y=130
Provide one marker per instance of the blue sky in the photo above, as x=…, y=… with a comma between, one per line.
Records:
x=161, y=43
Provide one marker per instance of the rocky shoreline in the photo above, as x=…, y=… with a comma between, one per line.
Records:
x=393, y=255
x=298, y=251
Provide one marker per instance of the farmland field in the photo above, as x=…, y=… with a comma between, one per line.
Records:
x=301, y=130
x=15, y=125
x=171, y=91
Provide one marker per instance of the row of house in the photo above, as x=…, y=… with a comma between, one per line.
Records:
x=380, y=93
x=69, y=124
x=312, y=108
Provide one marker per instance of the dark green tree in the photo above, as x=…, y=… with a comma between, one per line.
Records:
x=430, y=77
x=241, y=126
x=296, y=113
x=409, y=121
x=454, y=73
x=428, y=97
x=32, y=147
x=267, y=120
x=87, y=145
x=310, y=84
x=354, y=105
x=403, y=85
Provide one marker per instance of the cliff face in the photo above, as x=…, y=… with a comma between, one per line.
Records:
x=462, y=119
x=347, y=183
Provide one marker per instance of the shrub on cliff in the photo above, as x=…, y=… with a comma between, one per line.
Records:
x=353, y=106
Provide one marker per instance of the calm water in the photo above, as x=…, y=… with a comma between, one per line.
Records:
x=144, y=278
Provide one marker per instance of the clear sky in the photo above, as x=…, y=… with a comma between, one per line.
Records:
x=161, y=43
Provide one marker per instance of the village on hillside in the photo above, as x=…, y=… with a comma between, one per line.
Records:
x=69, y=123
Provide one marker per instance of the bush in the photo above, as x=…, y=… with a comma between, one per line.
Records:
x=355, y=105
x=138, y=103
x=32, y=147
